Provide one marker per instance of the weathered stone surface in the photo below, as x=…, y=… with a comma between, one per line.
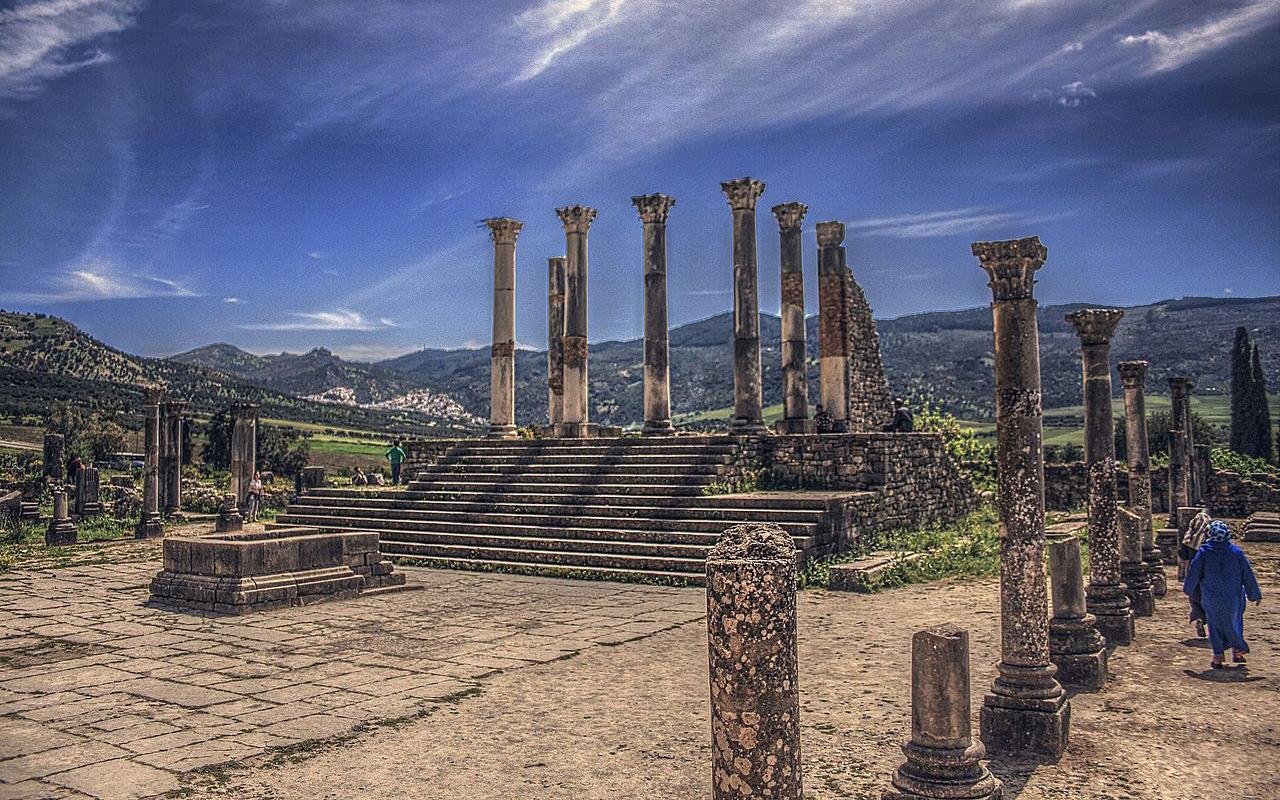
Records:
x=171, y=426
x=150, y=523
x=61, y=531
x=834, y=336
x=502, y=356
x=577, y=221
x=88, y=493
x=244, y=450
x=1026, y=709
x=943, y=760
x=1179, y=444
x=1134, y=573
x=55, y=457
x=1075, y=646
x=1133, y=374
x=795, y=386
x=653, y=210
x=229, y=518
x=555, y=340
x=748, y=403
x=751, y=634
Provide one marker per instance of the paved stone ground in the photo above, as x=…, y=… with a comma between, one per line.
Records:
x=102, y=695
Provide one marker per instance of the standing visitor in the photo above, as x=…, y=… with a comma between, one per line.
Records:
x=1194, y=536
x=396, y=456
x=1221, y=575
x=253, y=498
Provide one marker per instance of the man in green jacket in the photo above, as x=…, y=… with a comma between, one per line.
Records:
x=396, y=456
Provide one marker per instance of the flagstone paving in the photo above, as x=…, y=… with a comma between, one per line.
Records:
x=101, y=695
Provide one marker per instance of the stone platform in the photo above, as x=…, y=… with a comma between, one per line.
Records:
x=1262, y=526
x=239, y=573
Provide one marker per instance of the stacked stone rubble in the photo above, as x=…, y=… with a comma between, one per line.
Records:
x=870, y=405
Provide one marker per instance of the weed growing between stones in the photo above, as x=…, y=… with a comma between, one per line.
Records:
x=749, y=481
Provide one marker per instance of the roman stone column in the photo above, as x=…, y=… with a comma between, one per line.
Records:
x=795, y=383
x=1189, y=461
x=1134, y=573
x=171, y=425
x=1179, y=485
x=748, y=402
x=943, y=761
x=1134, y=376
x=833, y=322
x=555, y=342
x=244, y=450
x=61, y=531
x=502, y=355
x=751, y=635
x=577, y=221
x=55, y=457
x=1026, y=709
x=150, y=523
x=1107, y=597
x=1075, y=645
x=653, y=210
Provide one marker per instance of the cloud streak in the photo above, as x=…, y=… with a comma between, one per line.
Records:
x=46, y=39
x=1169, y=51
x=931, y=224
x=97, y=279
x=336, y=320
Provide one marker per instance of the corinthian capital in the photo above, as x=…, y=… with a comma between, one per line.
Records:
x=1132, y=373
x=830, y=234
x=1011, y=266
x=576, y=219
x=1181, y=385
x=653, y=207
x=503, y=230
x=790, y=215
x=742, y=193
x=1095, y=325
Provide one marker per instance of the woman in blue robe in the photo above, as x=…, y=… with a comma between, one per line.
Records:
x=1224, y=578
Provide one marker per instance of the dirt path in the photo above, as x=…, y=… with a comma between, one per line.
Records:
x=631, y=721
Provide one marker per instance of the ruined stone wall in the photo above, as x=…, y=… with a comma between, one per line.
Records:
x=870, y=404
x=1227, y=494
x=422, y=453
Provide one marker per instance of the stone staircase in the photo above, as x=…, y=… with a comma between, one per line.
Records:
x=625, y=508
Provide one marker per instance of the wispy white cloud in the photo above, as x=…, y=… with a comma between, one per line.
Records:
x=315, y=254
x=1169, y=51
x=336, y=320
x=99, y=279
x=232, y=301
x=1069, y=95
x=46, y=39
x=942, y=223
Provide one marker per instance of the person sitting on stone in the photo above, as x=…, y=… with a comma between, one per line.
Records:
x=358, y=478
x=1223, y=577
x=903, y=421
x=822, y=420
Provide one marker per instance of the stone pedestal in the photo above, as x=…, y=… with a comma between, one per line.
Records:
x=88, y=502
x=1026, y=709
x=1134, y=573
x=943, y=761
x=55, y=457
x=502, y=355
x=795, y=384
x=833, y=323
x=150, y=523
x=653, y=209
x=1134, y=376
x=748, y=401
x=577, y=221
x=229, y=518
x=1075, y=645
x=1107, y=598
x=555, y=341
x=61, y=531
x=244, y=450
x=751, y=635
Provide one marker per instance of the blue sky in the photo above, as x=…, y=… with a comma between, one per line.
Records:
x=282, y=174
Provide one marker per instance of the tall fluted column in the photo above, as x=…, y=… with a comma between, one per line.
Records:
x=1194, y=490
x=244, y=450
x=502, y=354
x=1026, y=709
x=1179, y=461
x=795, y=384
x=1108, y=600
x=577, y=221
x=833, y=322
x=150, y=523
x=653, y=210
x=1134, y=376
x=555, y=341
x=748, y=400
x=172, y=423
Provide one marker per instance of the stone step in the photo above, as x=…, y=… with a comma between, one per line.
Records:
x=621, y=458
x=521, y=525
x=673, y=471
x=602, y=478
x=564, y=558
x=556, y=570
x=685, y=509
x=617, y=442
x=543, y=495
x=500, y=488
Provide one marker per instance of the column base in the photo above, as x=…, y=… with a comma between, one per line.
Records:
x=1079, y=652
x=227, y=523
x=658, y=427
x=1115, y=617
x=1137, y=581
x=937, y=774
x=60, y=533
x=1152, y=558
x=1026, y=711
x=795, y=426
x=1167, y=540
x=747, y=427
x=151, y=526
x=502, y=431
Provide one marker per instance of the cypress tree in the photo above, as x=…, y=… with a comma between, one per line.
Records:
x=1241, y=394
x=1261, y=427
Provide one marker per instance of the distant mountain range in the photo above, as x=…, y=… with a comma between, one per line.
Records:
x=945, y=355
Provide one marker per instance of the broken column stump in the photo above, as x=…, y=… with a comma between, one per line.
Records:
x=1075, y=646
x=61, y=531
x=751, y=636
x=1135, y=574
x=229, y=518
x=943, y=760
